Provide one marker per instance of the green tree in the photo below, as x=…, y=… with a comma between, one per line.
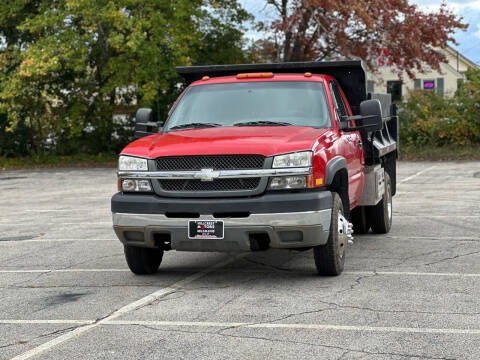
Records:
x=468, y=102
x=81, y=58
x=12, y=39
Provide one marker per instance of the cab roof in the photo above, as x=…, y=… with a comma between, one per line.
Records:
x=275, y=77
x=350, y=75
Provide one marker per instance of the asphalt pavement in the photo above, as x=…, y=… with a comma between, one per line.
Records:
x=66, y=292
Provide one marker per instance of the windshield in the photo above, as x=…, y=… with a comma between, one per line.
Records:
x=272, y=103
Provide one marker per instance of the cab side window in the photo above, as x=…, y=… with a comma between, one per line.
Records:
x=337, y=96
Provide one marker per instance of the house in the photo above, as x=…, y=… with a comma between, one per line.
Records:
x=444, y=83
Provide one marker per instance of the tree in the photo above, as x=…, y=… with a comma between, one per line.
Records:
x=324, y=29
x=72, y=62
x=12, y=39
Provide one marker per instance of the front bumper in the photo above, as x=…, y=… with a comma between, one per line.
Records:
x=288, y=221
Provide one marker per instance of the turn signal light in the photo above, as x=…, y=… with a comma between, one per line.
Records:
x=254, y=75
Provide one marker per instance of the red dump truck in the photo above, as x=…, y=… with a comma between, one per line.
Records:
x=259, y=156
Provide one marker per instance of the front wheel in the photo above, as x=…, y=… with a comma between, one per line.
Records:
x=380, y=215
x=330, y=258
x=143, y=261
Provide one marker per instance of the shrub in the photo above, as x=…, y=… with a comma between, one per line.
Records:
x=427, y=119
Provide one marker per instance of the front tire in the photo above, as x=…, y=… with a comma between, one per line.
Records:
x=330, y=258
x=380, y=216
x=143, y=261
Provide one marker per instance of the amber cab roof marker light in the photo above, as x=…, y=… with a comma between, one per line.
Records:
x=255, y=75
x=308, y=74
x=206, y=78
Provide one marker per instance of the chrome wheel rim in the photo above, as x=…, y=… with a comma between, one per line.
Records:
x=389, y=203
x=342, y=229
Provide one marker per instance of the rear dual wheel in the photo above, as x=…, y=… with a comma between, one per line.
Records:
x=360, y=220
x=378, y=217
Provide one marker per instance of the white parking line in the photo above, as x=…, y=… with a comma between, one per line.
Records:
x=300, y=326
x=417, y=174
x=363, y=236
x=410, y=273
x=127, y=308
x=91, y=324
x=46, y=322
x=55, y=222
x=438, y=216
x=51, y=240
x=430, y=238
x=356, y=273
x=24, y=271
x=52, y=210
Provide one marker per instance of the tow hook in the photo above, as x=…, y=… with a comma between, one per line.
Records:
x=345, y=228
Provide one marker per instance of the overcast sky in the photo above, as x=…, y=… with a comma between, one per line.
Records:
x=469, y=41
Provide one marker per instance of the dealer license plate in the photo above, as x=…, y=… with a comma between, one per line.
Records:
x=205, y=229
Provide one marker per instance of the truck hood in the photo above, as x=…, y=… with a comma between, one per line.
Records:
x=263, y=140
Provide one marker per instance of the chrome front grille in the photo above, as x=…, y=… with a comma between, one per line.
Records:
x=215, y=162
x=215, y=185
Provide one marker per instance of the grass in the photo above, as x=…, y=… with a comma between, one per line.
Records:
x=433, y=153
x=58, y=161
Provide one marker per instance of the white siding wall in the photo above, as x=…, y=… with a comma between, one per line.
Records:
x=448, y=73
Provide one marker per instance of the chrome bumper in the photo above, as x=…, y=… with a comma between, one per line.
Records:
x=285, y=230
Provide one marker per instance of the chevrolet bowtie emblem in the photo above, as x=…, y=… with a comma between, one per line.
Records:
x=207, y=175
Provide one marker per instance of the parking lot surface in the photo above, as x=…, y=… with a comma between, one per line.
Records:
x=66, y=292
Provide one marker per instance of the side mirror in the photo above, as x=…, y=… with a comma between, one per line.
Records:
x=371, y=113
x=144, y=124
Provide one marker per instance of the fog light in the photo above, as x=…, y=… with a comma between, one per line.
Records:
x=288, y=182
x=143, y=185
x=130, y=185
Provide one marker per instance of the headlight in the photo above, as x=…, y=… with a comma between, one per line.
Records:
x=129, y=163
x=288, y=182
x=131, y=185
x=298, y=159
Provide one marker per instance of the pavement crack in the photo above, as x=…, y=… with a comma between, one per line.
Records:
x=405, y=259
x=276, y=268
x=52, y=333
x=452, y=258
x=340, y=348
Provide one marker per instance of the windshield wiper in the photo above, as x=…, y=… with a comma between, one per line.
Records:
x=194, y=125
x=262, y=123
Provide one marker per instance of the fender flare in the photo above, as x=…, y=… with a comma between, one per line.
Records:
x=334, y=165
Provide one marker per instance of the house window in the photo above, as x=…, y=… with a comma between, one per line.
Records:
x=440, y=85
x=395, y=89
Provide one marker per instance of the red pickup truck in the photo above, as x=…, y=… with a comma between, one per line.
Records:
x=259, y=156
